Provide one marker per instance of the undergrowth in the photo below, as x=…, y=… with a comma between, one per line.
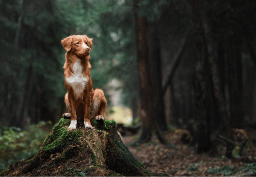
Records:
x=16, y=144
x=232, y=170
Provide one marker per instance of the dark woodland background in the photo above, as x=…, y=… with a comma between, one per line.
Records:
x=184, y=63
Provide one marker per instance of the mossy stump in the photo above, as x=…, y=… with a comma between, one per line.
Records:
x=80, y=152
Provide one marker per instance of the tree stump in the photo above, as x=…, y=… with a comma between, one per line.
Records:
x=80, y=152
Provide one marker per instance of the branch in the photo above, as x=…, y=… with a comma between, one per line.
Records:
x=175, y=63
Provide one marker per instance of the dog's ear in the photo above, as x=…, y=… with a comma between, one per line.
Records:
x=90, y=41
x=67, y=43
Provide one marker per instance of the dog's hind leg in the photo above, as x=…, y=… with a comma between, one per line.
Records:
x=67, y=115
x=98, y=105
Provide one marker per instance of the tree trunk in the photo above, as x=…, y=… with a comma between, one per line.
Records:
x=146, y=92
x=26, y=95
x=235, y=83
x=20, y=20
x=219, y=95
x=202, y=109
x=175, y=64
x=156, y=76
x=249, y=38
x=182, y=107
x=80, y=152
x=174, y=108
x=202, y=84
x=134, y=107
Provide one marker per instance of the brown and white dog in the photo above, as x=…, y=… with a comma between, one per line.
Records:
x=78, y=82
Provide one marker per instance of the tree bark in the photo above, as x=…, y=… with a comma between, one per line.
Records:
x=202, y=84
x=248, y=38
x=174, y=108
x=146, y=92
x=235, y=84
x=182, y=107
x=156, y=76
x=20, y=20
x=134, y=107
x=175, y=64
x=26, y=95
x=219, y=95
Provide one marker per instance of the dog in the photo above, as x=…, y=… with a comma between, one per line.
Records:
x=78, y=82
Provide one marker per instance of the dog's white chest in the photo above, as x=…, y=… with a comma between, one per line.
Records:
x=78, y=81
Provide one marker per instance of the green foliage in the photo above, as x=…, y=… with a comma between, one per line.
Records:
x=224, y=170
x=194, y=167
x=74, y=172
x=16, y=144
x=227, y=170
x=250, y=167
x=213, y=170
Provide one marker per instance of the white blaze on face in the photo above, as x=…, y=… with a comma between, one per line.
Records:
x=84, y=45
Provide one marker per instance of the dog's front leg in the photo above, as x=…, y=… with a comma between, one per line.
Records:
x=87, y=102
x=73, y=122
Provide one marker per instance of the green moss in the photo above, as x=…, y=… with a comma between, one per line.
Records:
x=109, y=124
x=60, y=137
x=103, y=125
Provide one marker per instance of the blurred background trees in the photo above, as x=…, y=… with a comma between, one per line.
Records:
x=200, y=59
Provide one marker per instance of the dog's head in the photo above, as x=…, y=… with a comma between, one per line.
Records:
x=79, y=45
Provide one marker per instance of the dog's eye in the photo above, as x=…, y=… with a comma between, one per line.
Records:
x=77, y=43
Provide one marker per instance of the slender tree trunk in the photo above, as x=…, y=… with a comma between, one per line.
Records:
x=235, y=83
x=221, y=62
x=144, y=76
x=202, y=84
x=146, y=92
x=156, y=76
x=175, y=64
x=174, y=108
x=249, y=38
x=20, y=20
x=134, y=107
x=26, y=95
x=182, y=108
x=217, y=82
x=249, y=87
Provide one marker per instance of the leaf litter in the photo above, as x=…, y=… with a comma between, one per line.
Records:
x=179, y=159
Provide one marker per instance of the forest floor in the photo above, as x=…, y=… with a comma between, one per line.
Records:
x=180, y=160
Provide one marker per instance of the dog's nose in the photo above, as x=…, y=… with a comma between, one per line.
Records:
x=87, y=50
x=85, y=47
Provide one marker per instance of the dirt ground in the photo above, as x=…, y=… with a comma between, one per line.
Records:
x=180, y=160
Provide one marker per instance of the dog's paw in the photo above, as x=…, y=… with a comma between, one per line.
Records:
x=86, y=125
x=66, y=115
x=99, y=117
x=72, y=125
